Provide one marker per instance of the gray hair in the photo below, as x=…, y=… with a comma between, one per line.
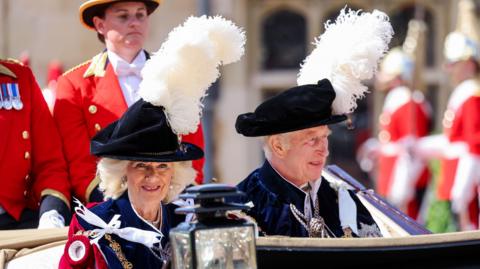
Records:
x=284, y=139
x=111, y=173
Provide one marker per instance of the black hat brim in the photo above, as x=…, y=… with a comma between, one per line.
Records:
x=187, y=152
x=142, y=134
x=259, y=128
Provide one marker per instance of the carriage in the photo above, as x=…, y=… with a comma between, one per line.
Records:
x=405, y=243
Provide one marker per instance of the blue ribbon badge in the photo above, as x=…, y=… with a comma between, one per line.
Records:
x=7, y=102
x=1, y=96
x=15, y=94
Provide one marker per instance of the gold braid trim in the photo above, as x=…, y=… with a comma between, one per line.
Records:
x=76, y=67
x=118, y=251
x=57, y=194
x=90, y=188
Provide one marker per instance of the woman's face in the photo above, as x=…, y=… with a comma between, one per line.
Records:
x=124, y=26
x=148, y=182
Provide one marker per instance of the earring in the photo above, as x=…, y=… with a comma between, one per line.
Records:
x=124, y=182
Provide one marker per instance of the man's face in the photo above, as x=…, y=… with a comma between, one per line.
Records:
x=461, y=70
x=125, y=26
x=306, y=155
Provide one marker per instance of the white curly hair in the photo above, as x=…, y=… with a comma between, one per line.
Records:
x=111, y=171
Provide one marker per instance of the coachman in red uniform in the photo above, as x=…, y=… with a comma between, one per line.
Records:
x=34, y=176
x=97, y=92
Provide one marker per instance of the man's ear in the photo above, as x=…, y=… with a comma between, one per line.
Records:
x=278, y=148
x=99, y=25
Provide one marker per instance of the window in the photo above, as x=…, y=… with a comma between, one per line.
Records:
x=400, y=21
x=283, y=40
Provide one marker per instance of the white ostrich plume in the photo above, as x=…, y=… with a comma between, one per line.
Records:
x=347, y=53
x=178, y=75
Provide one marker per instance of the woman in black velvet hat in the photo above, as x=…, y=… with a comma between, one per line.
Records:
x=144, y=164
x=143, y=167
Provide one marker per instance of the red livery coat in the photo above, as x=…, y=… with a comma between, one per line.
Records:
x=405, y=114
x=31, y=158
x=462, y=128
x=89, y=98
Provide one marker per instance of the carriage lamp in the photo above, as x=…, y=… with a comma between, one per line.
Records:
x=212, y=240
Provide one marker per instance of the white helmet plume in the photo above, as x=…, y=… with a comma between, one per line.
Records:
x=178, y=75
x=348, y=53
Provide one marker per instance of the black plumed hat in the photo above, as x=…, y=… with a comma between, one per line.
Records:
x=143, y=134
x=171, y=93
x=295, y=109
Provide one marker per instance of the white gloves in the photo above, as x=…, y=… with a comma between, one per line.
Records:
x=51, y=219
x=367, y=154
x=406, y=172
x=432, y=146
x=466, y=178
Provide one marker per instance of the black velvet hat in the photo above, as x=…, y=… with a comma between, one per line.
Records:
x=142, y=134
x=295, y=109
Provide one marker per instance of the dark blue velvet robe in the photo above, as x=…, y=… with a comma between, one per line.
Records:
x=272, y=196
x=139, y=255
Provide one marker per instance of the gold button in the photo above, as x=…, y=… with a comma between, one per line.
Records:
x=25, y=135
x=24, y=193
x=92, y=109
x=27, y=177
x=384, y=136
x=98, y=127
x=449, y=115
x=27, y=155
x=447, y=123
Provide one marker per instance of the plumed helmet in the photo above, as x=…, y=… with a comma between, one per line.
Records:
x=464, y=42
x=396, y=63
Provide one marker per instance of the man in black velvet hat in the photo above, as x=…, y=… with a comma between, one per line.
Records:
x=289, y=195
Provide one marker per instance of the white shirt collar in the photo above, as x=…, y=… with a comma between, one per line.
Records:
x=116, y=60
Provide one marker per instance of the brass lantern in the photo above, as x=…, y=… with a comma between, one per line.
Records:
x=212, y=240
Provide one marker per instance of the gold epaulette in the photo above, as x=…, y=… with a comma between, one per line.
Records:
x=76, y=67
x=97, y=66
x=14, y=61
x=5, y=70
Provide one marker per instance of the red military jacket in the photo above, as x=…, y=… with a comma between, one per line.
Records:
x=461, y=124
x=31, y=159
x=404, y=114
x=89, y=98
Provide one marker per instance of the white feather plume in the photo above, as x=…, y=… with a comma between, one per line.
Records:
x=348, y=53
x=178, y=75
